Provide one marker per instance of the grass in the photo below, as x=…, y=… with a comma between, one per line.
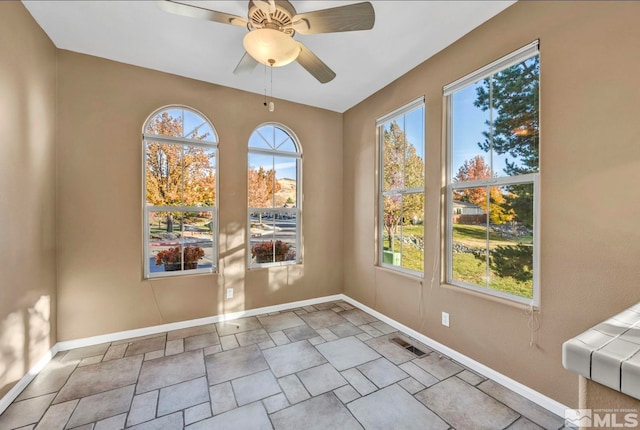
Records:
x=475, y=236
x=413, y=230
x=411, y=257
x=467, y=268
x=159, y=224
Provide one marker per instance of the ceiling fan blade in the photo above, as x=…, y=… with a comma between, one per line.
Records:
x=201, y=13
x=246, y=65
x=359, y=16
x=314, y=65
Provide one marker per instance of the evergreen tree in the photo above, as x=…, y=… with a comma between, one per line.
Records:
x=513, y=98
x=513, y=95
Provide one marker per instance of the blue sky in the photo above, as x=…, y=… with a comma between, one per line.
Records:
x=270, y=137
x=468, y=125
x=191, y=121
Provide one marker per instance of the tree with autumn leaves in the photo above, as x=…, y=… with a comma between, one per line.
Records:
x=476, y=169
x=177, y=174
x=403, y=169
x=183, y=175
x=262, y=186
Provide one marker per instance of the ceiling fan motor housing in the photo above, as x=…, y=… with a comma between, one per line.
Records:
x=280, y=19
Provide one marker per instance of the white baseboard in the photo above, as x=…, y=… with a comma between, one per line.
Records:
x=129, y=334
x=536, y=397
x=15, y=391
x=528, y=393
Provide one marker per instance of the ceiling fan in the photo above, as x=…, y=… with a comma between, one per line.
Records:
x=271, y=26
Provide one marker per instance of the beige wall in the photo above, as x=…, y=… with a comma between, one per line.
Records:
x=27, y=193
x=102, y=106
x=590, y=160
x=597, y=396
x=590, y=170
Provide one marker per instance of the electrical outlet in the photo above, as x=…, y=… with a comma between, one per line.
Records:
x=229, y=293
x=445, y=319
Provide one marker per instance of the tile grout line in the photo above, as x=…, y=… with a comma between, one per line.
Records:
x=463, y=368
x=404, y=330
x=64, y=346
x=206, y=374
x=529, y=393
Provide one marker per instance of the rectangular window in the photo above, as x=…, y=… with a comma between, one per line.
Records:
x=401, y=189
x=493, y=174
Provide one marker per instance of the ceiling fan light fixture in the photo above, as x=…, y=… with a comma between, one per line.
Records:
x=271, y=47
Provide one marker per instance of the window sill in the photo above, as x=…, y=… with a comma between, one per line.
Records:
x=180, y=274
x=490, y=297
x=274, y=265
x=408, y=275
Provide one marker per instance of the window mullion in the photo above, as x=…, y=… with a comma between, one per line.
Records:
x=488, y=232
x=500, y=181
x=491, y=125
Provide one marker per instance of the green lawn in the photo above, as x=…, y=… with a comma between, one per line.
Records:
x=476, y=236
x=412, y=257
x=467, y=268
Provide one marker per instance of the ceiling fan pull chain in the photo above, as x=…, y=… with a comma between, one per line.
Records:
x=265, y=86
x=272, y=105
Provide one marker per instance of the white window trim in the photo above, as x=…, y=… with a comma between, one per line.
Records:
x=297, y=211
x=415, y=104
x=518, y=56
x=535, y=180
x=214, y=227
x=522, y=54
x=146, y=137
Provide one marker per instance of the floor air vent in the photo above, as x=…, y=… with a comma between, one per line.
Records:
x=406, y=345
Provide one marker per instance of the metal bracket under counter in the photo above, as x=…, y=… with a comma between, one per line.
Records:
x=609, y=353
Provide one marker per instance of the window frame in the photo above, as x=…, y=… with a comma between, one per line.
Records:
x=526, y=52
x=147, y=209
x=381, y=193
x=296, y=211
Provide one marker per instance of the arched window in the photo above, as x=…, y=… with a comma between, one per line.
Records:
x=274, y=196
x=180, y=193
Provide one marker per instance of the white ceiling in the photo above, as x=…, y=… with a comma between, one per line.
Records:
x=137, y=32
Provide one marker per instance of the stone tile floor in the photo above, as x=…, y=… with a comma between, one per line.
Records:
x=327, y=366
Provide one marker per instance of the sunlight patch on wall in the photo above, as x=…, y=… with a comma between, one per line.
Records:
x=24, y=339
x=12, y=349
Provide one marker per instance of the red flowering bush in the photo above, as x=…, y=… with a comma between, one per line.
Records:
x=265, y=252
x=173, y=255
